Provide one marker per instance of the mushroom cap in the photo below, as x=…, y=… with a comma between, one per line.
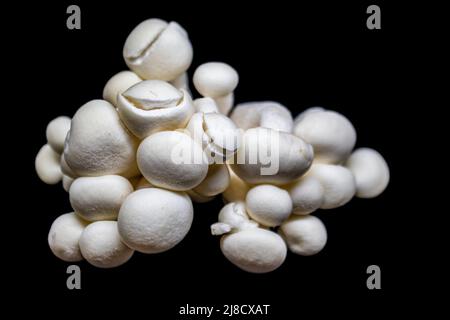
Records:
x=98, y=143
x=47, y=165
x=56, y=133
x=304, y=235
x=156, y=49
x=267, y=114
x=153, y=220
x=338, y=184
x=268, y=205
x=64, y=235
x=254, y=250
x=331, y=134
x=99, y=198
x=119, y=83
x=370, y=170
x=151, y=106
x=206, y=105
x=215, y=79
x=101, y=245
x=307, y=195
x=172, y=160
x=271, y=157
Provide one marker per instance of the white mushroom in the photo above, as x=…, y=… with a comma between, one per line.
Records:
x=304, y=235
x=64, y=235
x=98, y=142
x=254, y=250
x=153, y=105
x=370, y=170
x=205, y=105
x=267, y=114
x=215, y=79
x=268, y=205
x=216, y=133
x=47, y=165
x=156, y=49
x=154, y=220
x=215, y=182
x=330, y=133
x=119, y=83
x=101, y=245
x=302, y=115
x=56, y=133
x=338, y=184
x=270, y=156
x=225, y=103
x=99, y=198
x=307, y=195
x=237, y=189
x=172, y=160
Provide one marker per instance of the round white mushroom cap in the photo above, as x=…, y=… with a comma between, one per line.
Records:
x=99, y=198
x=153, y=220
x=307, y=195
x=153, y=105
x=215, y=79
x=98, y=143
x=216, y=181
x=64, y=235
x=235, y=215
x=268, y=205
x=338, y=184
x=172, y=160
x=101, y=245
x=370, y=170
x=47, y=165
x=331, y=134
x=56, y=133
x=304, y=235
x=272, y=157
x=254, y=250
x=156, y=49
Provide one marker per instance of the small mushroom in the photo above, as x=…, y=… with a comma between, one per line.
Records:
x=47, y=165
x=331, y=134
x=64, y=236
x=156, y=49
x=172, y=160
x=153, y=220
x=215, y=79
x=254, y=250
x=99, y=198
x=56, y=133
x=98, y=143
x=153, y=105
x=338, y=184
x=307, y=195
x=101, y=245
x=370, y=170
x=268, y=205
x=304, y=235
x=215, y=182
x=271, y=157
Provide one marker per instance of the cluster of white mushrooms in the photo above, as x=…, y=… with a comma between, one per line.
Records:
x=133, y=162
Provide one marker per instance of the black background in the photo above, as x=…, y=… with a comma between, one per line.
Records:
x=301, y=55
